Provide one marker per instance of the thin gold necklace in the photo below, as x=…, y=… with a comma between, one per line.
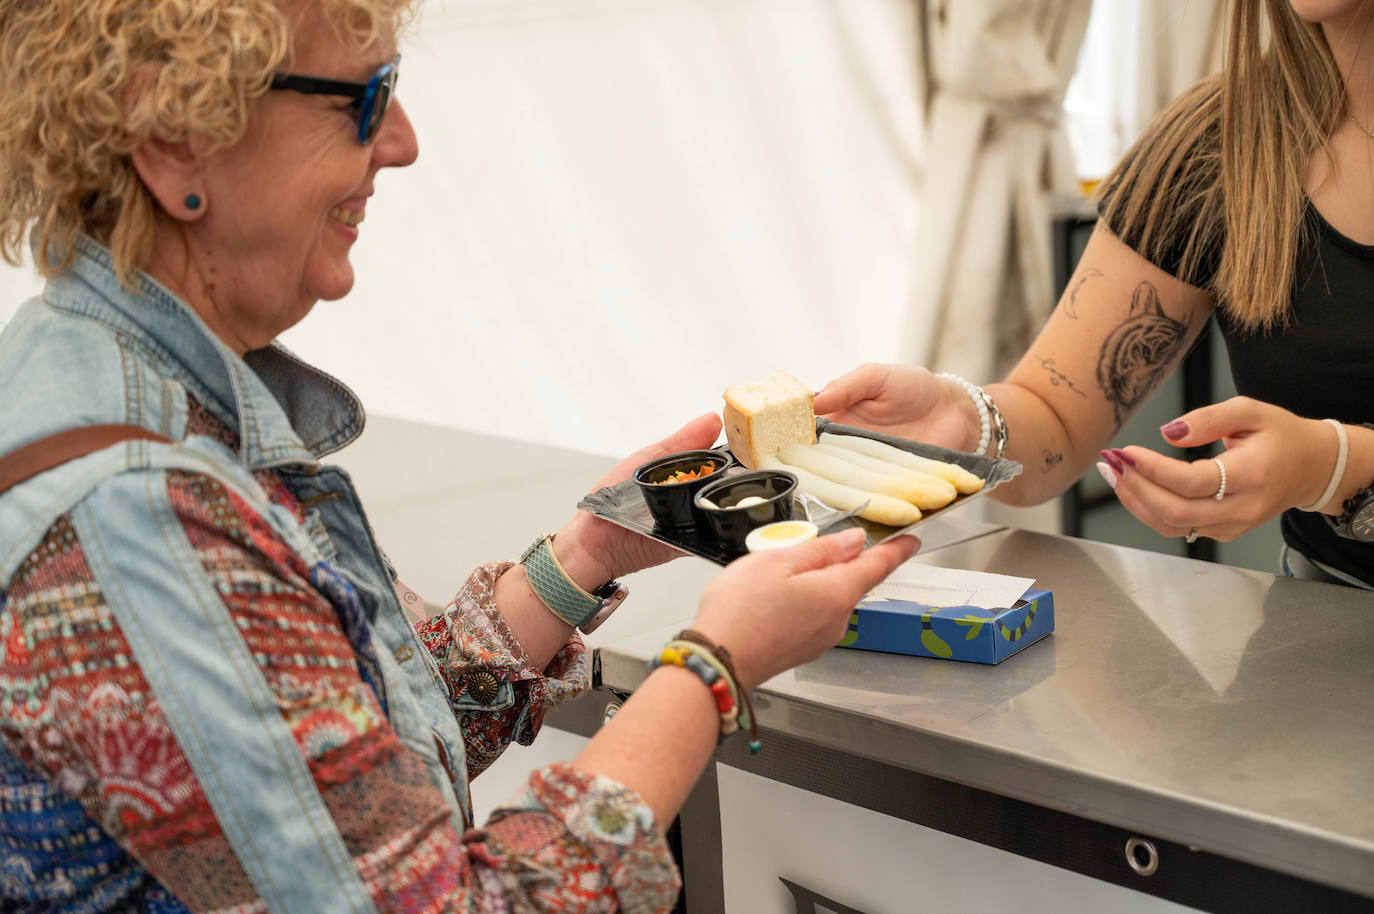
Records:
x=1359, y=124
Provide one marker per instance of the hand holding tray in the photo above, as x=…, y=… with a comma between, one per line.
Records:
x=623, y=504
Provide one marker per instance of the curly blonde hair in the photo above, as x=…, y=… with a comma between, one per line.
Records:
x=83, y=82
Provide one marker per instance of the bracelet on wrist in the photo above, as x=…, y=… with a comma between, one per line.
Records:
x=992, y=427
x=556, y=589
x=1337, y=472
x=713, y=666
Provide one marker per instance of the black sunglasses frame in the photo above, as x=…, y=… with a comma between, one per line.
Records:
x=374, y=96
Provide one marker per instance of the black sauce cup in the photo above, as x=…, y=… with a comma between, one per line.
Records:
x=670, y=503
x=720, y=503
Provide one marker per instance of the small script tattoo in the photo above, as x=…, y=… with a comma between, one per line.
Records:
x=1071, y=306
x=1058, y=378
x=1049, y=460
x=1137, y=353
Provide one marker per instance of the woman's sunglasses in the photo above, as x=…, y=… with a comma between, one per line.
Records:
x=373, y=97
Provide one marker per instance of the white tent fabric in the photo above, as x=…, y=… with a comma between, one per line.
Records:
x=1138, y=54
x=997, y=151
x=622, y=206
x=1177, y=42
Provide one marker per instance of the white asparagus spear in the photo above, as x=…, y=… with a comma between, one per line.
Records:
x=880, y=508
x=874, y=465
x=923, y=491
x=961, y=478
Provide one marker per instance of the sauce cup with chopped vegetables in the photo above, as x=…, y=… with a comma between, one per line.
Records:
x=670, y=483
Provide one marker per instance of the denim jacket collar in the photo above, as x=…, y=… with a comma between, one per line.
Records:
x=284, y=410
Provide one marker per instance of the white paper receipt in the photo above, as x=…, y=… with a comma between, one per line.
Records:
x=933, y=586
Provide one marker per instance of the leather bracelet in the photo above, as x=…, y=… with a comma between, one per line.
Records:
x=720, y=658
x=561, y=594
x=695, y=660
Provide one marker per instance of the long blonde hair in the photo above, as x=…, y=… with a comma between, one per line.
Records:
x=83, y=82
x=1218, y=179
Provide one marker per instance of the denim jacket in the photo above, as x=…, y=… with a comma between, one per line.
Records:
x=90, y=351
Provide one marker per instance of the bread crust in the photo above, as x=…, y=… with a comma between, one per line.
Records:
x=736, y=421
x=740, y=431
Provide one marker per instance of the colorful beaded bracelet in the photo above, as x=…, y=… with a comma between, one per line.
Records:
x=713, y=666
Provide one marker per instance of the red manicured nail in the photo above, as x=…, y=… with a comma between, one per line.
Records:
x=1123, y=457
x=1175, y=430
x=1111, y=461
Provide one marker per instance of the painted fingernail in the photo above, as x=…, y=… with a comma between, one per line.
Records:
x=1111, y=460
x=1175, y=430
x=1107, y=474
x=1123, y=457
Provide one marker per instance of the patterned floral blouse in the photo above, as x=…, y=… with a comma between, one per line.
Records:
x=100, y=811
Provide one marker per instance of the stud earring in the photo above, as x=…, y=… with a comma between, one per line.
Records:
x=192, y=202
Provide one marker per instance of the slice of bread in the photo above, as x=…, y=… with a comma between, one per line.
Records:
x=763, y=416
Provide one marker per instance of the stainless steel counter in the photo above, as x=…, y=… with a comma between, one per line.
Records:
x=1219, y=708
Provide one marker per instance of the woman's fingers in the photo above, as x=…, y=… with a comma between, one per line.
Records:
x=874, y=565
x=774, y=610
x=863, y=383
x=823, y=551
x=1174, y=497
x=1273, y=460
x=852, y=571
x=701, y=432
x=1162, y=510
x=1190, y=479
x=1231, y=418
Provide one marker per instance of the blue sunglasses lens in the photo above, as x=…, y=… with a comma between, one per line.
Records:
x=378, y=99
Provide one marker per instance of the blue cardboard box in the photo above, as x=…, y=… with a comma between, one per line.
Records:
x=950, y=632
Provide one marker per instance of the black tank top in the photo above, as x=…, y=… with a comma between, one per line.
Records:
x=1320, y=365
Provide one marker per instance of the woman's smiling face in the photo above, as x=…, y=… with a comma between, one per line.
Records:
x=283, y=205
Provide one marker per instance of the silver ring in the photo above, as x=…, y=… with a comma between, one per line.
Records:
x=1221, y=489
x=1192, y=536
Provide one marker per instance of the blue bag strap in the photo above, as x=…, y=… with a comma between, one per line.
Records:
x=216, y=699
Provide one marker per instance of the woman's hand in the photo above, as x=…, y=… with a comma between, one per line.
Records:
x=904, y=401
x=1274, y=460
x=773, y=610
x=594, y=550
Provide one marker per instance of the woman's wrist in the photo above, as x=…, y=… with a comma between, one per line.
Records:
x=714, y=665
x=957, y=396
x=576, y=551
x=989, y=429
x=1359, y=468
x=1336, y=450
x=747, y=665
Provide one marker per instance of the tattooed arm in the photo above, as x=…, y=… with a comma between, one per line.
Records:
x=1121, y=327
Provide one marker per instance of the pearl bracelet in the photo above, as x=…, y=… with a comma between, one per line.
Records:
x=992, y=428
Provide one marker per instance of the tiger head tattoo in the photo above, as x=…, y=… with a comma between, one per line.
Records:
x=1137, y=353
